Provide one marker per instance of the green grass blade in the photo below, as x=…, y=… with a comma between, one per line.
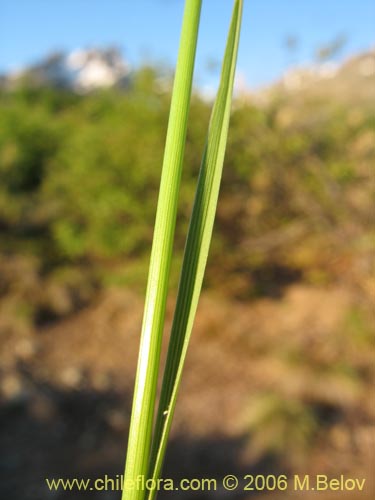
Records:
x=140, y=432
x=197, y=246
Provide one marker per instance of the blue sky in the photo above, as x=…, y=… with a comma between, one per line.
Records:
x=149, y=30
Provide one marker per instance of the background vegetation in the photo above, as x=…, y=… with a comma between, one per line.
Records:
x=286, y=313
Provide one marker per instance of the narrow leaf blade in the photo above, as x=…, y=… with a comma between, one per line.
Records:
x=197, y=246
x=140, y=432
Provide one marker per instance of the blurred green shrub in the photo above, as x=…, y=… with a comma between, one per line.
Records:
x=79, y=178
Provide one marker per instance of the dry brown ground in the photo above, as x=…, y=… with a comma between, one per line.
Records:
x=66, y=389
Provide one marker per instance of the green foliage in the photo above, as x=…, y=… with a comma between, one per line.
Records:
x=79, y=178
x=141, y=422
x=197, y=245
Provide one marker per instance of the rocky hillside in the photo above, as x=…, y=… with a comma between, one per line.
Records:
x=80, y=70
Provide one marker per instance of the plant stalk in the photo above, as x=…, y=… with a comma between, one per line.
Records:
x=141, y=423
